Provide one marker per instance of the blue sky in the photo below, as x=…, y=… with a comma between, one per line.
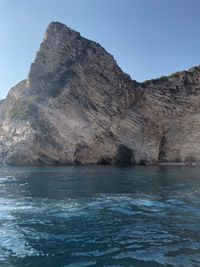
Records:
x=148, y=38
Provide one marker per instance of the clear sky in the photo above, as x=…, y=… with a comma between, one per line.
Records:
x=148, y=38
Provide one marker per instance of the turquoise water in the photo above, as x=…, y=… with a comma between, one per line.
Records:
x=99, y=216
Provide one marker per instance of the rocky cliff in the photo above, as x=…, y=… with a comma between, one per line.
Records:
x=78, y=107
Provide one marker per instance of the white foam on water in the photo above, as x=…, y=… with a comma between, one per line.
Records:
x=7, y=179
x=13, y=242
x=13, y=237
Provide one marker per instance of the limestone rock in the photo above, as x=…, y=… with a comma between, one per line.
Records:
x=78, y=107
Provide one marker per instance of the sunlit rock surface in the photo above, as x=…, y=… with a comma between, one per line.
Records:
x=78, y=107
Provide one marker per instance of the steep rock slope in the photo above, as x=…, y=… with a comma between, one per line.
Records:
x=78, y=107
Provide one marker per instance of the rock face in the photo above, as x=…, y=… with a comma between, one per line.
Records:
x=78, y=107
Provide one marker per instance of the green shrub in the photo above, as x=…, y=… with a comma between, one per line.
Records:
x=19, y=111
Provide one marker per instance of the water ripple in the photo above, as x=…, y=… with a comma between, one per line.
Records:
x=154, y=228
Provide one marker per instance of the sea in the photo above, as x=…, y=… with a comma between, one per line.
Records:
x=79, y=216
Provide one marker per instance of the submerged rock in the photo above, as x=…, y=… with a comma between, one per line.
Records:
x=78, y=107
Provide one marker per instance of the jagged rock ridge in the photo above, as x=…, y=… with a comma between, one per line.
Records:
x=78, y=107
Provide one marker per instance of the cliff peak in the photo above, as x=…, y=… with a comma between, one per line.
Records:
x=61, y=55
x=58, y=27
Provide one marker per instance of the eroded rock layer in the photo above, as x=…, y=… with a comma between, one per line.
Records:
x=78, y=107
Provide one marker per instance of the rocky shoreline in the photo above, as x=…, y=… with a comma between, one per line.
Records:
x=78, y=107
